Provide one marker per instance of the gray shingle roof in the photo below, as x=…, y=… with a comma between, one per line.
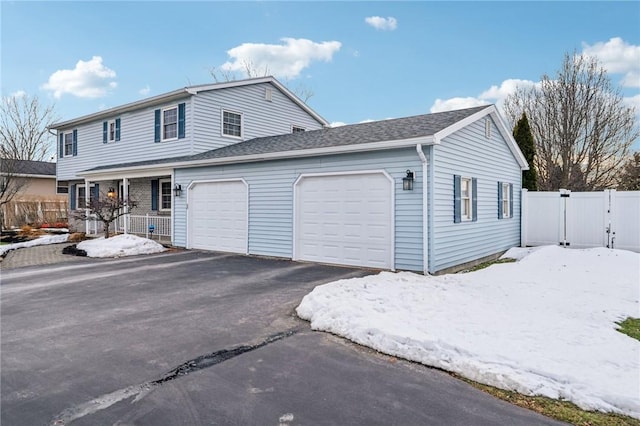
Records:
x=354, y=134
x=27, y=167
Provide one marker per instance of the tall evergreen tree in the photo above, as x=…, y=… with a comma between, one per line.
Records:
x=524, y=138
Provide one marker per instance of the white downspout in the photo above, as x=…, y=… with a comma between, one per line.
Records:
x=425, y=224
x=87, y=198
x=125, y=197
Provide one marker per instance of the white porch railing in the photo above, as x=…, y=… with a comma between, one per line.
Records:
x=146, y=225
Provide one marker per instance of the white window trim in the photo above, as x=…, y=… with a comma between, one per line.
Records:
x=109, y=124
x=70, y=152
x=160, y=182
x=463, y=217
x=222, y=133
x=295, y=126
x=506, y=200
x=78, y=186
x=162, y=138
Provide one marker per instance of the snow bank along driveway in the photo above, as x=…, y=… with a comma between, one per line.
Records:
x=544, y=325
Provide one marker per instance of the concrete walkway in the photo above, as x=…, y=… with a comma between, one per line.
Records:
x=38, y=255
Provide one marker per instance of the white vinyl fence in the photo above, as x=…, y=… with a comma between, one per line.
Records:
x=608, y=218
x=146, y=225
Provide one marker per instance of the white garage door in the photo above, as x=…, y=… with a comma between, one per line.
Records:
x=218, y=216
x=345, y=219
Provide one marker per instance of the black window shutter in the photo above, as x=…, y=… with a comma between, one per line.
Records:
x=105, y=130
x=154, y=194
x=457, y=201
x=510, y=200
x=117, y=129
x=500, y=212
x=474, y=199
x=75, y=142
x=61, y=148
x=96, y=192
x=181, y=121
x=72, y=196
x=157, y=126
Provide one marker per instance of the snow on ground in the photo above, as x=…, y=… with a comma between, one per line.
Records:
x=40, y=241
x=119, y=246
x=544, y=325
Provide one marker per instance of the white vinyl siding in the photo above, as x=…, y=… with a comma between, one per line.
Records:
x=271, y=204
x=469, y=154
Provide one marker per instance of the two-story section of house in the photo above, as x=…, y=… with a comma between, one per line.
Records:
x=183, y=122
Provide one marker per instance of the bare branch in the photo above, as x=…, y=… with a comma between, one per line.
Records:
x=105, y=209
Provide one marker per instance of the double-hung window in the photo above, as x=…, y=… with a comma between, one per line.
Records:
x=169, y=123
x=231, y=124
x=465, y=199
x=164, y=194
x=81, y=193
x=505, y=200
x=68, y=144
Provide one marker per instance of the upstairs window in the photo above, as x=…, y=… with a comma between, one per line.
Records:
x=68, y=144
x=111, y=131
x=297, y=129
x=170, y=123
x=231, y=124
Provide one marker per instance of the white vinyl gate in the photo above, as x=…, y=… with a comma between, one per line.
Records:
x=582, y=219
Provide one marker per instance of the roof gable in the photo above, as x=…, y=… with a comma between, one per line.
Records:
x=183, y=93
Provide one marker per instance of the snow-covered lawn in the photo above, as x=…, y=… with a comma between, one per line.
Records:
x=544, y=325
x=119, y=246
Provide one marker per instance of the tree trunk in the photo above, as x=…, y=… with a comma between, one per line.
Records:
x=106, y=229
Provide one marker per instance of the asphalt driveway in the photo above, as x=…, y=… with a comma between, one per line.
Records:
x=200, y=338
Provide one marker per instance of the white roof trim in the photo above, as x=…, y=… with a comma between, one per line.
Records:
x=502, y=128
x=373, y=146
x=183, y=93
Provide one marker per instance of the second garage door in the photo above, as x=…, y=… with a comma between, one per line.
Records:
x=345, y=219
x=218, y=216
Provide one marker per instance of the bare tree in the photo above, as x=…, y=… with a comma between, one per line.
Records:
x=106, y=208
x=581, y=127
x=251, y=70
x=24, y=135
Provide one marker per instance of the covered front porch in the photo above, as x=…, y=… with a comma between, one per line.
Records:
x=147, y=202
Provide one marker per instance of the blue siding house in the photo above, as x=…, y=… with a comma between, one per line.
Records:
x=426, y=193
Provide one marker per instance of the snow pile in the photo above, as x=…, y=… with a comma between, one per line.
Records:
x=119, y=246
x=40, y=241
x=544, y=325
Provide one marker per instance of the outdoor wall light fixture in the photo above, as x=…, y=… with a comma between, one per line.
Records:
x=407, y=181
x=177, y=190
x=111, y=193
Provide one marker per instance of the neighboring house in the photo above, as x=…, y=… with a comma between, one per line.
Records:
x=424, y=193
x=36, y=200
x=187, y=121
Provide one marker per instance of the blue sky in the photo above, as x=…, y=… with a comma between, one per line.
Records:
x=415, y=57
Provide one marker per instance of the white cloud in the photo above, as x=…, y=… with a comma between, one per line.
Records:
x=493, y=95
x=18, y=94
x=90, y=79
x=633, y=101
x=441, y=105
x=337, y=124
x=145, y=90
x=281, y=60
x=617, y=57
x=380, y=23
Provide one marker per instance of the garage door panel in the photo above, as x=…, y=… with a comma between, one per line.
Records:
x=345, y=219
x=218, y=216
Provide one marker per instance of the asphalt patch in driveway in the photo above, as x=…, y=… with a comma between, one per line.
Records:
x=138, y=391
